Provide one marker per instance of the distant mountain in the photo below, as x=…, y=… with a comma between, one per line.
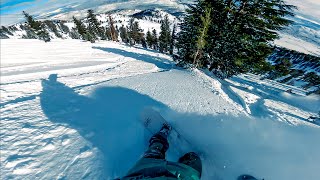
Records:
x=78, y=8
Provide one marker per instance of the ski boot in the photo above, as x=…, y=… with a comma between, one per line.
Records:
x=193, y=160
x=158, y=143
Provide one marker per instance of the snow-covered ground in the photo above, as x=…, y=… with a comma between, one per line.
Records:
x=85, y=123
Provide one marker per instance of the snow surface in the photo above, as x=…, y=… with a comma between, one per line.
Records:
x=290, y=42
x=84, y=123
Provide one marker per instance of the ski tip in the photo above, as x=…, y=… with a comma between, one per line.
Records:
x=246, y=177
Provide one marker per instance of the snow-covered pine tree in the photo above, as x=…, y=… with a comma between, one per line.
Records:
x=239, y=36
x=165, y=35
x=38, y=27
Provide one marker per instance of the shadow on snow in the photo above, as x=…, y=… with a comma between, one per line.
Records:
x=108, y=119
x=110, y=113
x=161, y=63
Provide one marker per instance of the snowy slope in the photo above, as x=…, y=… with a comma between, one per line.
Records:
x=84, y=124
x=302, y=36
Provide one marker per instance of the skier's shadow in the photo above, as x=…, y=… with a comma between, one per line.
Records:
x=108, y=119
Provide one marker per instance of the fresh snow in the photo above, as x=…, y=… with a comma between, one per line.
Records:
x=85, y=124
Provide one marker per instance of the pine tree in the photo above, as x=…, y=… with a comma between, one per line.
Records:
x=201, y=42
x=37, y=27
x=80, y=27
x=74, y=34
x=239, y=36
x=144, y=43
x=165, y=37
x=173, y=39
x=138, y=34
x=155, y=39
x=117, y=33
x=43, y=34
x=130, y=31
x=124, y=34
x=283, y=66
x=85, y=34
x=149, y=39
x=135, y=33
x=94, y=26
x=90, y=37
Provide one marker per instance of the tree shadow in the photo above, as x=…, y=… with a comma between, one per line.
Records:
x=161, y=63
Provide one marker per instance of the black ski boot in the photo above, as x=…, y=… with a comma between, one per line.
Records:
x=158, y=143
x=193, y=160
x=165, y=130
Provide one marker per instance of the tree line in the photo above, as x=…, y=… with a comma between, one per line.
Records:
x=91, y=29
x=131, y=34
x=227, y=37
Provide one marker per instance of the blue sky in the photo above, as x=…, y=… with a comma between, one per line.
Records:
x=13, y=6
x=11, y=10
x=14, y=2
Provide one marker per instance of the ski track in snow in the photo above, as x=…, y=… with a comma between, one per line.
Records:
x=84, y=124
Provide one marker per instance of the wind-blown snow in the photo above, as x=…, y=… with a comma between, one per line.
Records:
x=83, y=122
